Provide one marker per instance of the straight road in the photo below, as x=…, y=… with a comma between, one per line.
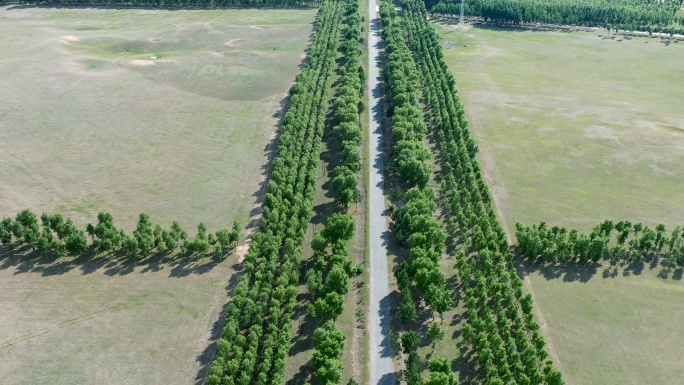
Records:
x=381, y=369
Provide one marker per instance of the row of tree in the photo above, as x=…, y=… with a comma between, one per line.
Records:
x=420, y=280
x=623, y=14
x=347, y=129
x=171, y=4
x=485, y=263
x=256, y=336
x=440, y=368
x=615, y=241
x=57, y=234
x=328, y=280
x=414, y=221
x=408, y=153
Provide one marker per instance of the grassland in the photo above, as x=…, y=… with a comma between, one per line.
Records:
x=574, y=128
x=90, y=122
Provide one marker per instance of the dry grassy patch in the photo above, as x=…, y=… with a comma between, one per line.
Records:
x=132, y=111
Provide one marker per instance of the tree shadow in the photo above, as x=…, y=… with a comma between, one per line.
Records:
x=206, y=358
x=567, y=271
x=25, y=260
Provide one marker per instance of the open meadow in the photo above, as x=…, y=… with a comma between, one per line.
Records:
x=574, y=128
x=90, y=122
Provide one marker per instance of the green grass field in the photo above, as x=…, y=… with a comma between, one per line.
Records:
x=91, y=122
x=574, y=128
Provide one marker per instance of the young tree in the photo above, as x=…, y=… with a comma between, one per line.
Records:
x=435, y=334
x=144, y=234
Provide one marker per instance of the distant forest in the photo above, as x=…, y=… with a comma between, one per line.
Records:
x=644, y=15
x=171, y=3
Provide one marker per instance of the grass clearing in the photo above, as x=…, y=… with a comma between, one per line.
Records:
x=91, y=122
x=574, y=128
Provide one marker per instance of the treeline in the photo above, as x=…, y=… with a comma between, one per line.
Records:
x=57, y=234
x=499, y=322
x=347, y=106
x=622, y=14
x=328, y=281
x=171, y=4
x=614, y=241
x=256, y=337
x=414, y=221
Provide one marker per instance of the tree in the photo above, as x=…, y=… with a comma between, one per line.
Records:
x=223, y=240
x=144, y=234
x=435, y=333
x=235, y=233
x=440, y=373
x=339, y=227
x=6, y=230
x=410, y=341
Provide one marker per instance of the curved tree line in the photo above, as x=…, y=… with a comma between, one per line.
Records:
x=500, y=325
x=620, y=14
x=59, y=235
x=256, y=336
x=621, y=241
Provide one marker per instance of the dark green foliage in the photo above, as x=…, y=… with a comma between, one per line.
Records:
x=622, y=14
x=440, y=373
x=329, y=346
x=144, y=234
x=172, y=4
x=256, y=336
x=504, y=336
x=557, y=244
x=60, y=235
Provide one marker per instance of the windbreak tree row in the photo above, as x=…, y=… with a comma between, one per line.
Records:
x=414, y=221
x=616, y=241
x=329, y=279
x=57, y=234
x=256, y=337
x=623, y=14
x=174, y=4
x=347, y=107
x=500, y=325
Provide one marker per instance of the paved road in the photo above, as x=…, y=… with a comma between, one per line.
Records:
x=381, y=369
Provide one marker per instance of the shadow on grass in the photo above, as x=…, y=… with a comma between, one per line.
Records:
x=25, y=260
x=206, y=358
x=583, y=272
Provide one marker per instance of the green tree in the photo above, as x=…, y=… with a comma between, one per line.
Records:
x=435, y=333
x=144, y=234
x=339, y=227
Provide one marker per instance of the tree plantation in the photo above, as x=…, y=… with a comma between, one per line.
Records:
x=461, y=307
x=631, y=14
x=59, y=235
